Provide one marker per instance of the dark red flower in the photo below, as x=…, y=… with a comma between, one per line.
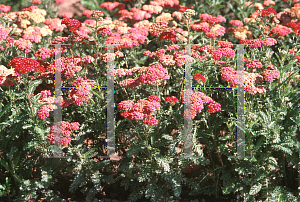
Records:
x=171, y=35
x=200, y=76
x=72, y=23
x=267, y=12
x=295, y=27
x=25, y=65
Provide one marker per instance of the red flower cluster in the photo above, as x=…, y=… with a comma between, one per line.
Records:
x=229, y=74
x=199, y=77
x=172, y=100
x=79, y=95
x=65, y=132
x=295, y=27
x=254, y=63
x=225, y=44
x=25, y=65
x=255, y=43
x=72, y=23
x=142, y=108
x=267, y=12
x=210, y=19
x=171, y=35
x=214, y=107
x=155, y=73
x=281, y=30
x=196, y=103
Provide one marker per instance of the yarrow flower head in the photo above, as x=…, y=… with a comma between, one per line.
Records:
x=79, y=95
x=237, y=23
x=125, y=105
x=269, y=42
x=64, y=129
x=150, y=120
x=269, y=75
x=214, y=107
x=104, y=30
x=267, y=12
x=199, y=77
x=72, y=23
x=172, y=100
x=25, y=65
x=195, y=102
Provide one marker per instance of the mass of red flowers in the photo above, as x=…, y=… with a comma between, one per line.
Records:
x=25, y=65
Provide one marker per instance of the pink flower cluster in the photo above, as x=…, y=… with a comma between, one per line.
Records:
x=55, y=24
x=112, y=5
x=4, y=32
x=281, y=30
x=141, y=109
x=225, y=44
x=269, y=75
x=152, y=9
x=79, y=95
x=216, y=31
x=69, y=66
x=237, y=23
x=44, y=53
x=165, y=3
x=121, y=72
x=255, y=43
x=44, y=110
x=155, y=73
x=131, y=83
x=210, y=19
x=269, y=42
x=229, y=74
x=62, y=129
x=46, y=98
x=135, y=14
x=255, y=89
x=195, y=102
x=24, y=44
x=104, y=30
x=5, y=8
x=222, y=52
x=200, y=26
x=135, y=37
x=254, y=63
x=219, y=52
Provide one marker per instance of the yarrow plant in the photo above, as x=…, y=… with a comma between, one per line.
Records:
x=165, y=138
